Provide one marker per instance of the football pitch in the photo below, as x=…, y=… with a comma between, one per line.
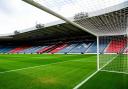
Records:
x=55, y=71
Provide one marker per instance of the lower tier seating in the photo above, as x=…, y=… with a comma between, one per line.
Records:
x=68, y=48
x=81, y=48
x=103, y=45
x=45, y=48
x=6, y=49
x=92, y=48
x=111, y=46
x=18, y=49
x=59, y=48
x=126, y=50
x=115, y=46
x=32, y=49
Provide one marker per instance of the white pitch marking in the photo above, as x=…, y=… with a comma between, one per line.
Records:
x=84, y=81
x=36, y=66
x=114, y=72
x=108, y=63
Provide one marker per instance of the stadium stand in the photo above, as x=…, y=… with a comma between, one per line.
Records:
x=6, y=49
x=92, y=48
x=126, y=50
x=68, y=48
x=50, y=50
x=59, y=48
x=118, y=45
x=81, y=48
x=18, y=49
x=32, y=49
x=45, y=49
x=103, y=45
x=37, y=49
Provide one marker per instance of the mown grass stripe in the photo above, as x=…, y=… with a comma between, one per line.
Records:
x=40, y=66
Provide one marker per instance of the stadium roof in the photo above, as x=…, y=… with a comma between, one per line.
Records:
x=108, y=21
x=112, y=21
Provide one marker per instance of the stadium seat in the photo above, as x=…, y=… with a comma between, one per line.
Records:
x=59, y=48
x=81, y=48
x=92, y=48
x=115, y=46
x=32, y=49
x=68, y=48
x=18, y=49
x=6, y=49
x=44, y=49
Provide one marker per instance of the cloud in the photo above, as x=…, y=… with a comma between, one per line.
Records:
x=18, y=15
x=21, y=16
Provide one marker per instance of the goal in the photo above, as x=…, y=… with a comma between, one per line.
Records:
x=112, y=53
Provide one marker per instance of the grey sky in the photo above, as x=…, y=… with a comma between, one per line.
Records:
x=17, y=15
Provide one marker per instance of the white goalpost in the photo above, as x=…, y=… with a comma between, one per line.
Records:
x=112, y=54
x=108, y=25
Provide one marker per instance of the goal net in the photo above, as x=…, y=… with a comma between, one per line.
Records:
x=103, y=17
x=113, y=53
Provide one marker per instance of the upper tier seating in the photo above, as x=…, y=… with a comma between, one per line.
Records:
x=81, y=48
x=115, y=46
x=68, y=48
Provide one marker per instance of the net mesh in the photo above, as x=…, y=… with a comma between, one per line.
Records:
x=69, y=8
x=100, y=23
x=113, y=53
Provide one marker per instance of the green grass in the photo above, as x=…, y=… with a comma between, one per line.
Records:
x=118, y=62
x=53, y=71
x=60, y=71
x=107, y=80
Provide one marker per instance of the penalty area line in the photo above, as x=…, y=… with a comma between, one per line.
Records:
x=86, y=79
x=114, y=72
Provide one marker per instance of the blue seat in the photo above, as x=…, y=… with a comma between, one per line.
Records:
x=68, y=48
x=81, y=48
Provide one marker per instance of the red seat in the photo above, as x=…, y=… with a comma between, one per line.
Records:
x=45, y=49
x=115, y=46
x=58, y=48
x=20, y=48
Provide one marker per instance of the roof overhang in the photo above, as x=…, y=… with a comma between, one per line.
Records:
x=106, y=22
x=109, y=21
